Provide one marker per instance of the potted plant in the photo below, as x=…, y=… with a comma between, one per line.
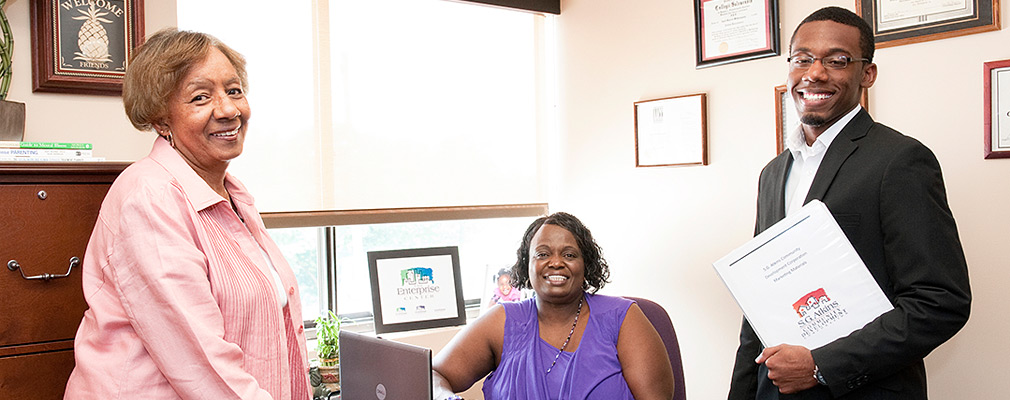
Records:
x=328, y=350
x=12, y=114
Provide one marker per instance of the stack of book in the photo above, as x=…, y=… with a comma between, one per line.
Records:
x=46, y=151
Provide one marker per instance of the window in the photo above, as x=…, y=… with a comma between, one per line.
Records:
x=392, y=105
x=433, y=104
x=388, y=103
x=485, y=246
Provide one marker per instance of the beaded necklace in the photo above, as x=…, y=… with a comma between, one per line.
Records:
x=562, y=349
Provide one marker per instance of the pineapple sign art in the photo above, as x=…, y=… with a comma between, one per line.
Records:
x=83, y=46
x=92, y=49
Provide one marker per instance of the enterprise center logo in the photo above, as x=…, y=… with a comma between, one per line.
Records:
x=417, y=283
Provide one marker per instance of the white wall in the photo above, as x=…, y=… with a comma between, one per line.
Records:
x=661, y=228
x=60, y=117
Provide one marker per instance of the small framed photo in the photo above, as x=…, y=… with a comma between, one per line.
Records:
x=728, y=31
x=898, y=22
x=996, y=78
x=671, y=131
x=498, y=288
x=416, y=289
x=83, y=47
x=786, y=119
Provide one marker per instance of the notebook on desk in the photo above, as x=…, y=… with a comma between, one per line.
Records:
x=379, y=369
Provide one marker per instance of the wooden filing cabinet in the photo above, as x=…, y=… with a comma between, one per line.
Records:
x=47, y=212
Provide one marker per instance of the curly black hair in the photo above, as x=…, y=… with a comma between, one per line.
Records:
x=503, y=271
x=844, y=17
x=597, y=272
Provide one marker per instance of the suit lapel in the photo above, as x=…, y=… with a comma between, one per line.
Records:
x=771, y=192
x=779, y=172
x=841, y=148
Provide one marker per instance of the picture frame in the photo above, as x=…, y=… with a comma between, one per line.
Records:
x=84, y=47
x=728, y=31
x=996, y=81
x=899, y=22
x=497, y=277
x=786, y=119
x=671, y=131
x=416, y=289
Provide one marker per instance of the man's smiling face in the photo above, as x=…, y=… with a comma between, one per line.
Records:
x=824, y=95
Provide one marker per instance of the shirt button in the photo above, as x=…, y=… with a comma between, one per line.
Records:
x=301, y=328
x=291, y=290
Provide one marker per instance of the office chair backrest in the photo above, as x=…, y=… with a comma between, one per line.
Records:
x=661, y=321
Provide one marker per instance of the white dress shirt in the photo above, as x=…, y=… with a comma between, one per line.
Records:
x=807, y=159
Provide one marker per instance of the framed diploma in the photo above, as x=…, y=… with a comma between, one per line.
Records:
x=996, y=75
x=728, y=31
x=83, y=46
x=786, y=119
x=416, y=289
x=671, y=131
x=898, y=22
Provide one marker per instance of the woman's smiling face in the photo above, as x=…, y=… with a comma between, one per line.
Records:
x=208, y=114
x=557, y=269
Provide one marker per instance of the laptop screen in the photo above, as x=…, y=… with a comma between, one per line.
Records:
x=378, y=369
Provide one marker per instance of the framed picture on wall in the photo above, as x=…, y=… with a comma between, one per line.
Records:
x=416, y=289
x=671, y=131
x=898, y=22
x=728, y=31
x=996, y=78
x=786, y=119
x=83, y=46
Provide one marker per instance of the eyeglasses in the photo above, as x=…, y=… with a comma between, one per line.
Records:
x=830, y=62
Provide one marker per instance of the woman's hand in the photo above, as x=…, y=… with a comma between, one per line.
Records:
x=440, y=388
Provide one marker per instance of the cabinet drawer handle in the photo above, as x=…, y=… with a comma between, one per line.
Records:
x=14, y=266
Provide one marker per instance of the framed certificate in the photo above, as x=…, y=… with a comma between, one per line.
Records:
x=83, y=46
x=671, y=131
x=898, y=22
x=728, y=31
x=416, y=289
x=996, y=75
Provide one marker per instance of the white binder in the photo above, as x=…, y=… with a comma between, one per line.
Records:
x=801, y=282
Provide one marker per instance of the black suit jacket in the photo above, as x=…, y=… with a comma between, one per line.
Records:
x=886, y=192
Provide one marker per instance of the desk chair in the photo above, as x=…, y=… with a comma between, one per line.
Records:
x=661, y=321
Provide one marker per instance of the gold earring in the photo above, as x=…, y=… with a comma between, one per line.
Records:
x=168, y=137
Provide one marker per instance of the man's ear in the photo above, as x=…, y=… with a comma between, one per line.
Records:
x=869, y=76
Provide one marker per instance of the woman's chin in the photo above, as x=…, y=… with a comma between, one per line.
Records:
x=557, y=292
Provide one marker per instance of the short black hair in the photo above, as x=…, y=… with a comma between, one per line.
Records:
x=844, y=17
x=597, y=272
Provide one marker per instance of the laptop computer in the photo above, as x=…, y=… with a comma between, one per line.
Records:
x=378, y=369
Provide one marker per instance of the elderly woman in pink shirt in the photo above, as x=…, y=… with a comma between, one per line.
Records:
x=188, y=296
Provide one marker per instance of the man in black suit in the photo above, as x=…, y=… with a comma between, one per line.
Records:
x=887, y=194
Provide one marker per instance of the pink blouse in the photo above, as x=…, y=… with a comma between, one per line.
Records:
x=182, y=304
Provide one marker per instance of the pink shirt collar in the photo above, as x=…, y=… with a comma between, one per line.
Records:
x=198, y=191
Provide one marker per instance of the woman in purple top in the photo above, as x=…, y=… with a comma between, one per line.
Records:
x=564, y=343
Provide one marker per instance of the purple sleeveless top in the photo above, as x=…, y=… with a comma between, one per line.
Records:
x=592, y=371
